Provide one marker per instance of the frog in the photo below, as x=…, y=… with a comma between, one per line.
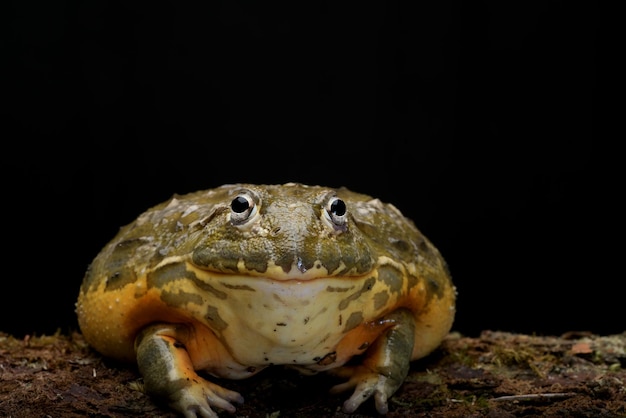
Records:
x=223, y=283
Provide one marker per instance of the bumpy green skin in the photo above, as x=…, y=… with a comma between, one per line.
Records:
x=231, y=280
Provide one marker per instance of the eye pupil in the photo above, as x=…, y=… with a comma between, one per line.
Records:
x=338, y=207
x=240, y=204
x=336, y=214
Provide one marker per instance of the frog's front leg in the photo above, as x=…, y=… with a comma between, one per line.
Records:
x=384, y=368
x=168, y=372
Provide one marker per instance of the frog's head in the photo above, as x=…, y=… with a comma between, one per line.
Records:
x=286, y=232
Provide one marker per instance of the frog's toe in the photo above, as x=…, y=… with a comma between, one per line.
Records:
x=197, y=400
x=365, y=383
x=365, y=388
x=221, y=397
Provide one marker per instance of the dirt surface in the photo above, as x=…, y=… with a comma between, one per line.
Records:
x=495, y=375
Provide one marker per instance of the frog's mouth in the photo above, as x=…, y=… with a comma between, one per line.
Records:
x=297, y=271
x=289, y=267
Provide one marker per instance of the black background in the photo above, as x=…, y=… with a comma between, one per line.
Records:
x=476, y=119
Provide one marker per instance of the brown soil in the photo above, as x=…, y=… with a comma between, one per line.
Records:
x=495, y=375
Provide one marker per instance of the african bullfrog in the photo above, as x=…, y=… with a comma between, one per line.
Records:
x=228, y=281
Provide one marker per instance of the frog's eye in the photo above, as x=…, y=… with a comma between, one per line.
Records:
x=336, y=213
x=242, y=208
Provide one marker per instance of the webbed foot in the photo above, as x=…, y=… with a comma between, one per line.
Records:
x=366, y=383
x=385, y=365
x=168, y=374
x=197, y=397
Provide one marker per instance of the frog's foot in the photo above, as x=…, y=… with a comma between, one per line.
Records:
x=195, y=399
x=168, y=373
x=384, y=367
x=366, y=383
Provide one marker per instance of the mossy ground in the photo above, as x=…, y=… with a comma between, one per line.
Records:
x=497, y=374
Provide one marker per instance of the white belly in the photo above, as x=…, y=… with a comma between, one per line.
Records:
x=284, y=322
